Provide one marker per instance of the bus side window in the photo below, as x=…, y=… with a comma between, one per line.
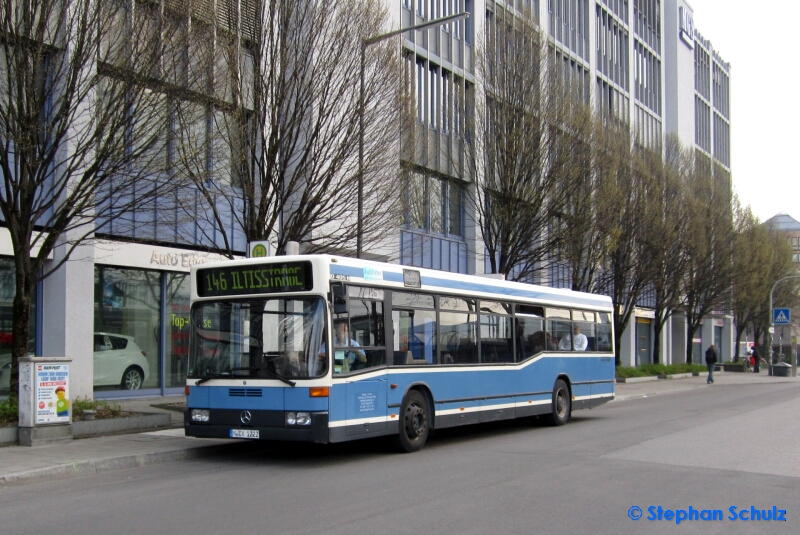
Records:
x=365, y=308
x=603, y=331
x=415, y=333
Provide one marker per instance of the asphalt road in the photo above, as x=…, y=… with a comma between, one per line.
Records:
x=709, y=449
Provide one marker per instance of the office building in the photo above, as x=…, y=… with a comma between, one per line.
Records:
x=640, y=62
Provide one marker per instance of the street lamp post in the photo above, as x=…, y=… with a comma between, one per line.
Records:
x=368, y=41
x=772, y=326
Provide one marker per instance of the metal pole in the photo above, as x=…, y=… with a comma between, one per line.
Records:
x=360, y=221
x=772, y=325
x=364, y=44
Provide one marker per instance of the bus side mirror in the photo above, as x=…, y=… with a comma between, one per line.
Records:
x=339, y=301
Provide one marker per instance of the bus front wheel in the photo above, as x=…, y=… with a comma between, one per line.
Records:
x=414, y=423
x=561, y=403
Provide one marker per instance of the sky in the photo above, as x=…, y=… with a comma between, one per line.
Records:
x=759, y=41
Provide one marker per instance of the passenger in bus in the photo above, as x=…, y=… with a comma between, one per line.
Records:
x=577, y=339
x=542, y=341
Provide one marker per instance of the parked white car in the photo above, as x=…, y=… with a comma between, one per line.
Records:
x=117, y=361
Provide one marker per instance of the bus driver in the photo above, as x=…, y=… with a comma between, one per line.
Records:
x=348, y=359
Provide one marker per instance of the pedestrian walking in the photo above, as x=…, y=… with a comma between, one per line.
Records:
x=711, y=360
x=756, y=359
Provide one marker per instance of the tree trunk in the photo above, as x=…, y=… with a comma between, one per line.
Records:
x=657, y=328
x=738, y=339
x=21, y=311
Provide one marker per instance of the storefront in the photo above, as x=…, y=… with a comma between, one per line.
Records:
x=7, y=290
x=141, y=318
x=136, y=340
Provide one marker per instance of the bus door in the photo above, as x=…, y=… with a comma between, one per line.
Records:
x=366, y=406
x=359, y=348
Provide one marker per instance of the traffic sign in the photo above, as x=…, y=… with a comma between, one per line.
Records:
x=260, y=249
x=782, y=316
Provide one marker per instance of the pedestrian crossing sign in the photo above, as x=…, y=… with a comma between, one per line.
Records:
x=782, y=316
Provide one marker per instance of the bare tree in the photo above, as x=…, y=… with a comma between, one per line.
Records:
x=283, y=95
x=665, y=233
x=770, y=255
x=589, y=221
x=708, y=247
x=79, y=118
x=750, y=260
x=625, y=208
x=530, y=150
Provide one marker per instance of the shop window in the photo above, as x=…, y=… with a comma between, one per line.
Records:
x=7, y=290
x=177, y=346
x=127, y=305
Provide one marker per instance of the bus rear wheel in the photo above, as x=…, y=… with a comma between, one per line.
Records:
x=414, y=423
x=561, y=403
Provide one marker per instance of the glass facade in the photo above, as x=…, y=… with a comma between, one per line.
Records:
x=133, y=310
x=177, y=328
x=8, y=288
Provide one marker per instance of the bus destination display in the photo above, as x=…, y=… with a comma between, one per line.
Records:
x=254, y=279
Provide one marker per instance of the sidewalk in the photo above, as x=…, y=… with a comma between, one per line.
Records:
x=82, y=456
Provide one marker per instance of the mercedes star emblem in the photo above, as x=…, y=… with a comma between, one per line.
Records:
x=245, y=417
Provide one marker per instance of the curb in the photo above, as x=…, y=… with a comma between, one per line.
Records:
x=103, y=427
x=96, y=466
x=637, y=379
x=132, y=424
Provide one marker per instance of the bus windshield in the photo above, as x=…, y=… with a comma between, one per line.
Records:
x=258, y=338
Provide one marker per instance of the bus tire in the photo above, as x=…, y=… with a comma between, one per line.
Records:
x=414, y=423
x=561, y=404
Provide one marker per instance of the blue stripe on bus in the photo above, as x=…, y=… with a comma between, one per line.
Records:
x=475, y=387
x=437, y=282
x=337, y=269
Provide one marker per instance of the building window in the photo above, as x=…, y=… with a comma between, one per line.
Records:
x=177, y=323
x=433, y=95
x=420, y=90
x=455, y=210
x=457, y=24
x=126, y=328
x=467, y=22
x=446, y=99
x=130, y=314
x=434, y=204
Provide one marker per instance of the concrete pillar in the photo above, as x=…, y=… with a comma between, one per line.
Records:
x=627, y=343
x=68, y=316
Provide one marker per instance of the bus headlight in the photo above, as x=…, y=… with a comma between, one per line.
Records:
x=298, y=418
x=200, y=415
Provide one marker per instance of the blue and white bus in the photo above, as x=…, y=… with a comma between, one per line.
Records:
x=326, y=349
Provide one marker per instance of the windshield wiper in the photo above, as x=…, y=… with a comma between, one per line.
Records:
x=276, y=375
x=204, y=379
x=213, y=376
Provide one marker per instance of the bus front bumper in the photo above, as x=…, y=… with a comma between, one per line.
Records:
x=269, y=424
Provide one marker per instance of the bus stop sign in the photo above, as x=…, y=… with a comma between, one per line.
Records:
x=782, y=316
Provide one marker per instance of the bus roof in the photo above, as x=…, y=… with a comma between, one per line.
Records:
x=367, y=272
